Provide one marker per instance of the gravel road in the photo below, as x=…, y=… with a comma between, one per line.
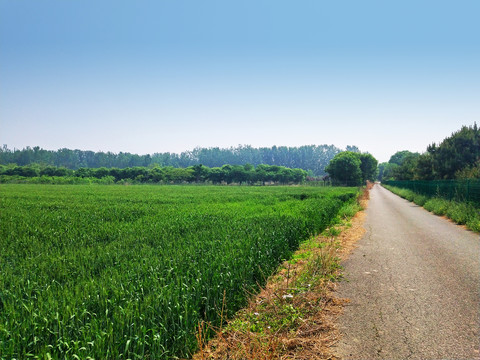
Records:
x=413, y=284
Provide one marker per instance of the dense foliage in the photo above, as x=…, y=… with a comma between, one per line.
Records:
x=352, y=168
x=118, y=272
x=456, y=157
x=312, y=158
x=247, y=174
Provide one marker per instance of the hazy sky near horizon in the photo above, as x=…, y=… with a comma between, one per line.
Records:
x=165, y=75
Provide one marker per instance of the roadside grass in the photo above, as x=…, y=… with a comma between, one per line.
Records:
x=284, y=317
x=460, y=212
x=292, y=315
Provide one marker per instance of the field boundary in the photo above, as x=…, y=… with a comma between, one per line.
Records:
x=294, y=314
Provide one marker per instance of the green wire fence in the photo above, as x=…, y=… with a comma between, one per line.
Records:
x=460, y=190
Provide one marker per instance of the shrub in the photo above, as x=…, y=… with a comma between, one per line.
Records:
x=437, y=206
x=420, y=200
x=349, y=209
x=460, y=212
x=474, y=223
x=409, y=195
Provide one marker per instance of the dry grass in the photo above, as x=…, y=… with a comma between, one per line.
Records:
x=293, y=317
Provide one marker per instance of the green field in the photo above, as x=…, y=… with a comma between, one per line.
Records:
x=123, y=272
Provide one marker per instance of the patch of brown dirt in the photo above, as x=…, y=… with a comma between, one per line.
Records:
x=349, y=237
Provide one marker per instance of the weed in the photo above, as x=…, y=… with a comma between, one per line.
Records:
x=437, y=205
x=332, y=231
x=420, y=200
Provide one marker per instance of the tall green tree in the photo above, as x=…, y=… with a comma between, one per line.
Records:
x=345, y=168
x=408, y=168
x=387, y=171
x=459, y=151
x=368, y=167
x=455, y=157
x=399, y=157
x=425, y=169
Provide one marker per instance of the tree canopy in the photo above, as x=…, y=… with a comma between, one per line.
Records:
x=352, y=168
x=456, y=157
x=312, y=158
x=228, y=174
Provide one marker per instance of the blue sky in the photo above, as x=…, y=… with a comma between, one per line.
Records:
x=157, y=76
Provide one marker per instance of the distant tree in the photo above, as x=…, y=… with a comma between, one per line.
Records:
x=83, y=172
x=345, y=168
x=215, y=175
x=169, y=174
x=200, y=172
x=261, y=174
x=352, y=168
x=401, y=166
x=118, y=174
x=352, y=148
x=469, y=172
x=381, y=170
x=455, y=157
x=299, y=175
x=49, y=171
x=425, y=168
x=67, y=158
x=26, y=171
x=179, y=175
x=136, y=172
x=100, y=172
x=389, y=171
x=408, y=167
x=63, y=171
x=248, y=167
x=368, y=167
x=227, y=173
x=312, y=158
x=459, y=151
x=400, y=156
x=156, y=175
x=238, y=174
x=6, y=155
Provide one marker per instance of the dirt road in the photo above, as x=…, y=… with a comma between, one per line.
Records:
x=413, y=284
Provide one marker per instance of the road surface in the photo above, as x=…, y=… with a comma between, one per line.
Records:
x=413, y=284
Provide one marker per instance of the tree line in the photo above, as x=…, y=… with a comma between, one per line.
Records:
x=312, y=158
x=227, y=174
x=456, y=157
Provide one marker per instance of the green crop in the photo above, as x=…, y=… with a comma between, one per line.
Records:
x=123, y=272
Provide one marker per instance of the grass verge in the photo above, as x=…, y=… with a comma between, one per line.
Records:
x=293, y=315
x=460, y=212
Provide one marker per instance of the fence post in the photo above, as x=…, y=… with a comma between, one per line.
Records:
x=468, y=189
